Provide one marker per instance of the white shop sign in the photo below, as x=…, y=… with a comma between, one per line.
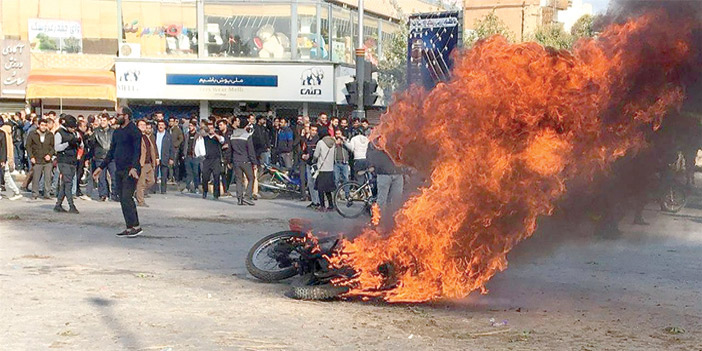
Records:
x=226, y=81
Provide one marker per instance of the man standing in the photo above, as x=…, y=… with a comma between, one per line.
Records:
x=125, y=150
x=227, y=169
x=148, y=161
x=166, y=153
x=311, y=141
x=358, y=146
x=40, y=147
x=390, y=179
x=212, y=164
x=177, y=138
x=243, y=159
x=101, y=142
x=66, y=143
x=285, y=144
x=192, y=162
x=341, y=159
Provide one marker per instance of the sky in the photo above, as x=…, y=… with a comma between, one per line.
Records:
x=598, y=5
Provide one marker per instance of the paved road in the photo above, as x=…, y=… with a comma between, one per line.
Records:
x=68, y=283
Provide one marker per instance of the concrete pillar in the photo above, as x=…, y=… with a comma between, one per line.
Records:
x=204, y=109
x=305, y=109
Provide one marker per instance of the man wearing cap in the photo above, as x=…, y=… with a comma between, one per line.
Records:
x=125, y=150
x=66, y=143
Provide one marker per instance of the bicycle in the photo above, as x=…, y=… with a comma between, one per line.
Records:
x=351, y=199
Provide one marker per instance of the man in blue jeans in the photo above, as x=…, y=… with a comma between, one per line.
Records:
x=341, y=160
x=192, y=162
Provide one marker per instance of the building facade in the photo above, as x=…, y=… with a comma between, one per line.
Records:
x=187, y=56
x=522, y=17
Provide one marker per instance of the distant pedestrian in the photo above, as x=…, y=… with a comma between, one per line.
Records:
x=40, y=146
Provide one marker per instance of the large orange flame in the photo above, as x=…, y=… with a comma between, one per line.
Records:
x=501, y=140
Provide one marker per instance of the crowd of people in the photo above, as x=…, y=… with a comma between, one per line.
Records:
x=59, y=154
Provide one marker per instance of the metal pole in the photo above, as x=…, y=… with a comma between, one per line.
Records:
x=360, y=64
x=120, y=23
x=201, y=30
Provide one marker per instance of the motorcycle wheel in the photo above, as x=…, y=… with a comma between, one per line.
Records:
x=264, y=192
x=261, y=263
x=350, y=200
x=674, y=199
x=304, y=288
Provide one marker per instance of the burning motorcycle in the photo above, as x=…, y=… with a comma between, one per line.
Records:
x=273, y=181
x=292, y=253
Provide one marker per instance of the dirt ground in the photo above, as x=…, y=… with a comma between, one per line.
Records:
x=68, y=283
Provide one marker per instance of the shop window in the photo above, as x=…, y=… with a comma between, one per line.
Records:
x=313, y=32
x=248, y=30
x=161, y=28
x=342, y=44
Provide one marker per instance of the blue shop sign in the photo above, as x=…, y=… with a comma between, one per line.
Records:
x=239, y=80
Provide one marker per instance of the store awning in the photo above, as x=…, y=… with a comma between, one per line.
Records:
x=72, y=84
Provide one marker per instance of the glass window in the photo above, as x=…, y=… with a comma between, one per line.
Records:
x=342, y=44
x=161, y=28
x=370, y=39
x=312, y=32
x=251, y=30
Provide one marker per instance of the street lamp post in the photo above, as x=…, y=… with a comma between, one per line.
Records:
x=360, y=112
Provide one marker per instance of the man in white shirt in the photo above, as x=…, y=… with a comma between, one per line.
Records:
x=166, y=153
x=359, y=147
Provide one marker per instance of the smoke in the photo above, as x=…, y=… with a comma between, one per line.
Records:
x=520, y=133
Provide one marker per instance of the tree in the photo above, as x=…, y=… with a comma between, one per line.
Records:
x=583, y=27
x=552, y=35
x=392, y=67
x=486, y=27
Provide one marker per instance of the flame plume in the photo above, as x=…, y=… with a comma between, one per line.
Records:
x=501, y=140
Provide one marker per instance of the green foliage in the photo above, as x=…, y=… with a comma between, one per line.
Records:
x=583, y=27
x=46, y=43
x=392, y=67
x=71, y=45
x=486, y=27
x=553, y=35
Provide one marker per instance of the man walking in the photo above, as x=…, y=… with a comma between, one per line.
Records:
x=66, y=143
x=40, y=147
x=166, y=153
x=125, y=151
x=148, y=161
x=243, y=159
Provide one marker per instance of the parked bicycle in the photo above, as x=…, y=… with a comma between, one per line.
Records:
x=351, y=199
x=274, y=181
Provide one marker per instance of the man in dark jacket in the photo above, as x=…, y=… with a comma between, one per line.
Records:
x=227, y=173
x=40, y=147
x=125, y=150
x=285, y=144
x=212, y=164
x=177, y=138
x=262, y=141
x=101, y=140
x=243, y=159
x=166, y=153
x=66, y=143
x=390, y=179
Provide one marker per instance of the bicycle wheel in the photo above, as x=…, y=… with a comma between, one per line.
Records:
x=351, y=199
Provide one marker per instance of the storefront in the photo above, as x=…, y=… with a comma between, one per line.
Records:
x=73, y=91
x=181, y=88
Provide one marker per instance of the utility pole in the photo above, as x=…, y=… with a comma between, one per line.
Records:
x=360, y=112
